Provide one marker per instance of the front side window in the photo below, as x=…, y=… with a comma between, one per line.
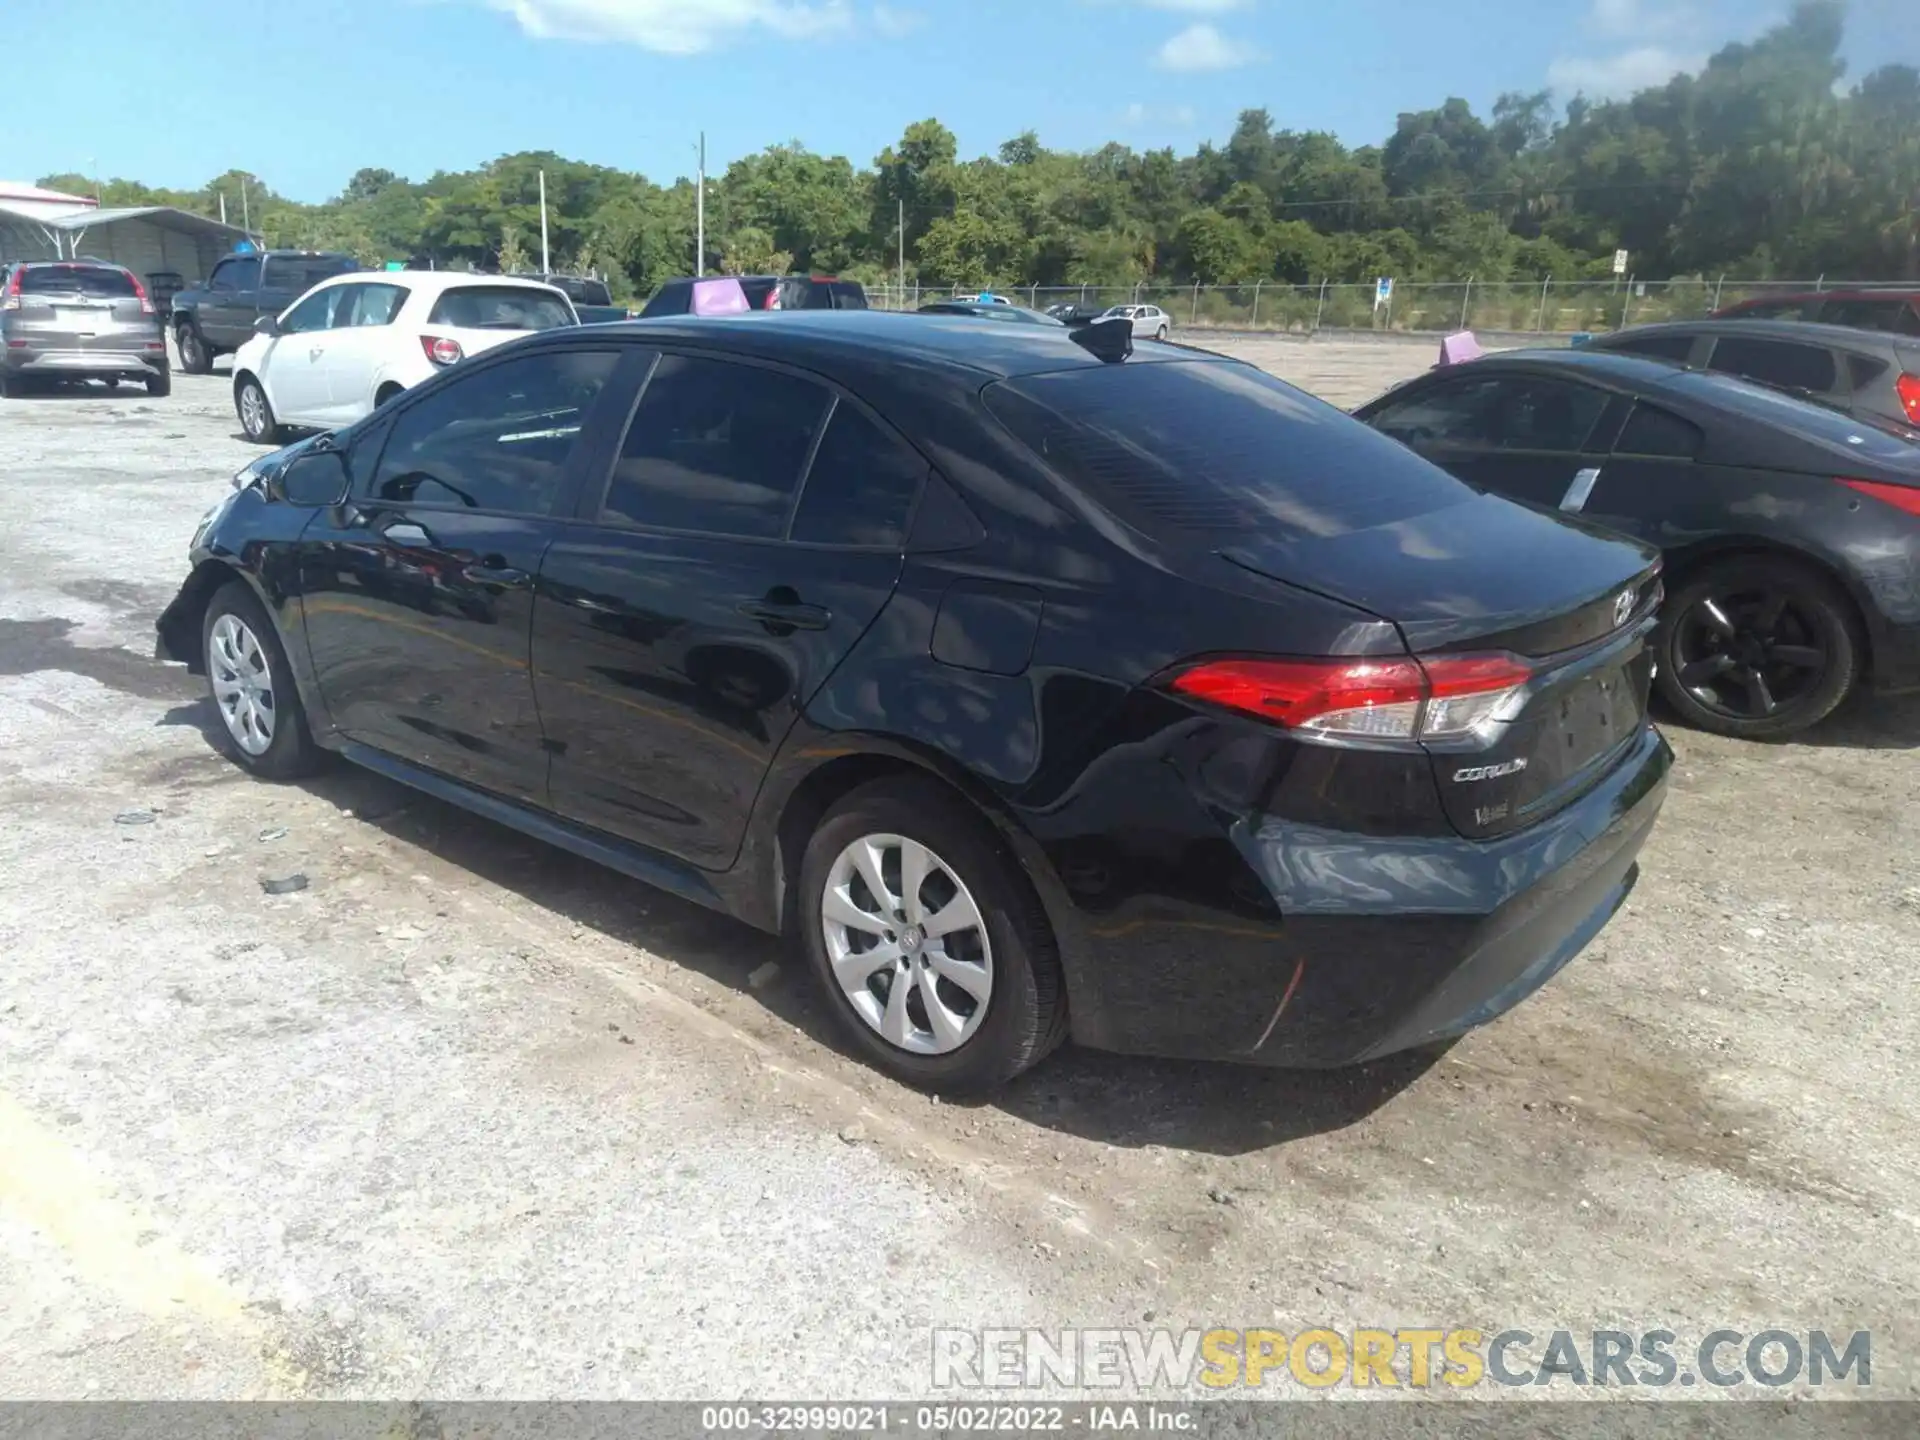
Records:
x=497, y=439
x=242, y=274
x=715, y=447
x=316, y=312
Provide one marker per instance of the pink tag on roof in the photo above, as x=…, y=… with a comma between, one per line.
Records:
x=719, y=297
x=1458, y=348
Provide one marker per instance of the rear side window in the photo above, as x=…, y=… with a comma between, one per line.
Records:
x=500, y=307
x=93, y=282
x=1843, y=434
x=1771, y=310
x=860, y=487
x=1864, y=314
x=1661, y=347
x=1216, y=448
x=497, y=438
x=715, y=447
x=1500, y=412
x=1656, y=432
x=370, y=305
x=848, y=296
x=1865, y=372
x=1776, y=362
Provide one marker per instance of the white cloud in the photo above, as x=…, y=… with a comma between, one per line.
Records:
x=1607, y=76
x=672, y=27
x=1180, y=116
x=1201, y=47
x=896, y=23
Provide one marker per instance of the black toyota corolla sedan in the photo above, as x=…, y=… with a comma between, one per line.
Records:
x=1036, y=687
x=1791, y=532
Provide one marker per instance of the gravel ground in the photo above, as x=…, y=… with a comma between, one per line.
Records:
x=470, y=1118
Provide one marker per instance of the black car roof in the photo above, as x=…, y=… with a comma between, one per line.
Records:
x=1842, y=337
x=878, y=339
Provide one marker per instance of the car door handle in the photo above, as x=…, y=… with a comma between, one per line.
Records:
x=315, y=353
x=782, y=616
x=500, y=577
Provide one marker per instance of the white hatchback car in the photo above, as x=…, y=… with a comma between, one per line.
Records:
x=354, y=342
x=1150, y=322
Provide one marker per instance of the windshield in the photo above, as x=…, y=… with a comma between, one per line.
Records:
x=500, y=307
x=95, y=282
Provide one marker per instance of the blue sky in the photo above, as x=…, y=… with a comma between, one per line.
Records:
x=304, y=93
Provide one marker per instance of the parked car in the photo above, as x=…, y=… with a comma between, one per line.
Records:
x=765, y=292
x=1171, y=708
x=217, y=318
x=1073, y=313
x=1016, y=314
x=1791, y=533
x=352, y=343
x=1897, y=311
x=592, y=301
x=1869, y=373
x=1150, y=322
x=78, y=320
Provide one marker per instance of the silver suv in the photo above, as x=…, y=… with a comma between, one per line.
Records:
x=78, y=320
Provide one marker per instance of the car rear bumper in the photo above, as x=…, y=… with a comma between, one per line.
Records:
x=1380, y=945
x=130, y=359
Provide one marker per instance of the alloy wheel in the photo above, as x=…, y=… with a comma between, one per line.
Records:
x=1748, y=654
x=253, y=410
x=907, y=944
x=242, y=683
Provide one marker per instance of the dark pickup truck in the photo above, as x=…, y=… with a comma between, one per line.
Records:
x=217, y=318
x=592, y=301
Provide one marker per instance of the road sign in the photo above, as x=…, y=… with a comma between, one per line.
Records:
x=1619, y=262
x=1382, y=291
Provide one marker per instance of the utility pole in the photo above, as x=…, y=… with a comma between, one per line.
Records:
x=546, y=265
x=246, y=222
x=700, y=212
x=903, y=254
x=223, y=207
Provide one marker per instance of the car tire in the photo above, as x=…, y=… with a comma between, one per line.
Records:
x=160, y=384
x=12, y=387
x=969, y=871
x=250, y=403
x=262, y=724
x=196, y=357
x=388, y=392
x=1161, y=333
x=1783, y=615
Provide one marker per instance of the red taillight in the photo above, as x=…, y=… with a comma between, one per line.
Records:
x=146, y=301
x=440, y=350
x=1443, y=698
x=1901, y=497
x=11, y=300
x=1908, y=387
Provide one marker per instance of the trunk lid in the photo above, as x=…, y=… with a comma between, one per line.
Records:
x=1578, y=604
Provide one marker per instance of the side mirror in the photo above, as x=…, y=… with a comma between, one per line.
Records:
x=313, y=478
x=267, y=325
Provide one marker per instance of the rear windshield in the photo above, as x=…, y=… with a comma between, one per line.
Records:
x=849, y=296
x=95, y=282
x=286, y=273
x=1217, y=448
x=500, y=307
x=1846, y=434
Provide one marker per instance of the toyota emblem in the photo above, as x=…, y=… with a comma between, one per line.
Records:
x=1622, y=608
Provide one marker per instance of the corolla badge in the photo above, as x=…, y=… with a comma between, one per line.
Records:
x=1622, y=608
x=1490, y=772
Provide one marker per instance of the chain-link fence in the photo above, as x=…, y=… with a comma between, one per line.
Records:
x=1522, y=307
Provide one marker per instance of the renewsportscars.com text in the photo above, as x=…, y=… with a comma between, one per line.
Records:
x=1321, y=1358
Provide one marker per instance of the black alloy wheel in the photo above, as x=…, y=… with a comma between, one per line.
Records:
x=1758, y=648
